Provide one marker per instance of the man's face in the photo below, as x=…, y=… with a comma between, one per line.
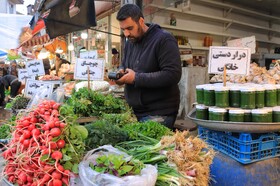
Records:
x=132, y=30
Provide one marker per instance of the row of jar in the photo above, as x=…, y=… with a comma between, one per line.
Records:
x=264, y=115
x=238, y=96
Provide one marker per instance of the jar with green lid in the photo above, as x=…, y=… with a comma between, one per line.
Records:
x=278, y=94
x=222, y=97
x=236, y=115
x=201, y=112
x=209, y=95
x=247, y=98
x=276, y=114
x=219, y=114
x=259, y=115
x=260, y=97
x=270, y=96
x=247, y=115
x=234, y=96
x=199, y=94
x=269, y=113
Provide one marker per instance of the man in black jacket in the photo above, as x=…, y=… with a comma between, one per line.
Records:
x=6, y=82
x=152, y=68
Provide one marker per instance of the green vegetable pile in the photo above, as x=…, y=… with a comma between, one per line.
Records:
x=151, y=129
x=117, y=165
x=6, y=129
x=19, y=102
x=120, y=119
x=87, y=103
x=103, y=133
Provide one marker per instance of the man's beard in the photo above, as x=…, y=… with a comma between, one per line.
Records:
x=140, y=32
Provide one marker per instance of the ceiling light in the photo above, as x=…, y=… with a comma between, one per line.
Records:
x=84, y=35
x=71, y=47
x=74, y=36
x=58, y=50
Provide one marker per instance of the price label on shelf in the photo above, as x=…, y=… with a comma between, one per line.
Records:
x=236, y=60
x=35, y=68
x=33, y=87
x=89, y=68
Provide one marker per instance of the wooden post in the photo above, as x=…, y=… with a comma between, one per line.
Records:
x=88, y=78
x=225, y=76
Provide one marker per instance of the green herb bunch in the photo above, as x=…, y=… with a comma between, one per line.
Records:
x=117, y=165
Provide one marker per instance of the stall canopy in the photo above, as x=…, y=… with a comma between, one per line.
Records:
x=10, y=29
x=65, y=16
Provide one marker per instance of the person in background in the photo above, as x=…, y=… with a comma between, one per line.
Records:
x=13, y=70
x=115, y=59
x=47, y=66
x=151, y=66
x=6, y=82
x=58, y=62
x=3, y=69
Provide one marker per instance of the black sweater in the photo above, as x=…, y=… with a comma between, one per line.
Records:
x=156, y=61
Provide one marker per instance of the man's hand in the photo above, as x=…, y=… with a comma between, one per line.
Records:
x=128, y=77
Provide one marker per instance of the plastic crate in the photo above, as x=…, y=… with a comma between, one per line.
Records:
x=243, y=147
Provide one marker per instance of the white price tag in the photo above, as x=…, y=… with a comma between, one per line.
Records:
x=33, y=86
x=96, y=69
x=23, y=75
x=236, y=60
x=35, y=67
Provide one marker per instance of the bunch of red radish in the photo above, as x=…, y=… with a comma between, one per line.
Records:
x=34, y=154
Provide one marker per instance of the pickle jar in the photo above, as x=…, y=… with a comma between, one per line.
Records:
x=219, y=114
x=278, y=94
x=259, y=115
x=269, y=113
x=236, y=115
x=209, y=95
x=276, y=114
x=247, y=115
x=210, y=112
x=222, y=96
x=201, y=112
x=260, y=97
x=199, y=94
x=270, y=96
x=247, y=98
x=234, y=96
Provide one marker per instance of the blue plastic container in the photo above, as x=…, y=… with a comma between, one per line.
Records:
x=243, y=147
x=225, y=171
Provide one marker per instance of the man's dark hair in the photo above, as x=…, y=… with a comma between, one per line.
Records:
x=129, y=10
x=57, y=55
x=14, y=88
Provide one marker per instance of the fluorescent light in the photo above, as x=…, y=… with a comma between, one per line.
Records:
x=84, y=35
x=71, y=47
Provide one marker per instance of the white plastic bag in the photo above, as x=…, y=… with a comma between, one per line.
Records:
x=89, y=177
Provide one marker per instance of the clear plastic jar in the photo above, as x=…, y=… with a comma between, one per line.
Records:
x=260, y=97
x=219, y=114
x=278, y=94
x=259, y=115
x=247, y=98
x=276, y=114
x=222, y=97
x=247, y=115
x=199, y=94
x=234, y=96
x=210, y=112
x=236, y=115
x=269, y=113
x=209, y=95
x=270, y=96
x=201, y=112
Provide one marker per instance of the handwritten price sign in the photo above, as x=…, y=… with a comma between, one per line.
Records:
x=89, y=55
x=35, y=67
x=23, y=75
x=93, y=67
x=33, y=87
x=236, y=60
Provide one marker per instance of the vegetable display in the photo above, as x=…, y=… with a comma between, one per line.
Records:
x=86, y=103
x=19, y=102
x=45, y=148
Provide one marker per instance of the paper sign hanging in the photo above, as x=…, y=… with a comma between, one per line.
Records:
x=236, y=60
x=34, y=86
x=23, y=75
x=246, y=42
x=96, y=69
x=35, y=67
